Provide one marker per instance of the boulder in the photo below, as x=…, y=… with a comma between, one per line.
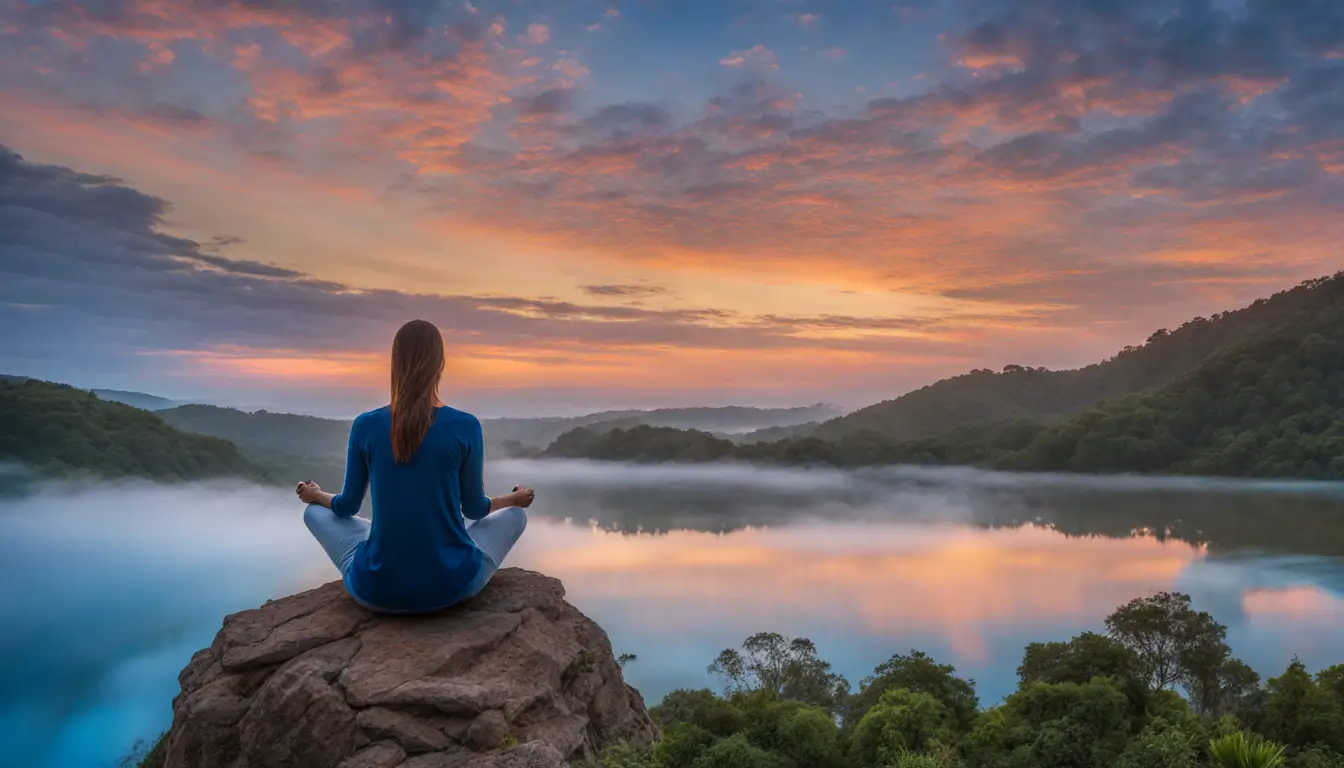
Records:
x=513, y=678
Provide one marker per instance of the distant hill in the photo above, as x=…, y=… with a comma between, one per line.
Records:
x=984, y=396
x=1270, y=404
x=728, y=420
x=296, y=447
x=135, y=399
x=642, y=443
x=773, y=434
x=60, y=430
x=263, y=431
x=314, y=448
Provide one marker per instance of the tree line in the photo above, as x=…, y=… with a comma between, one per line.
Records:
x=1158, y=689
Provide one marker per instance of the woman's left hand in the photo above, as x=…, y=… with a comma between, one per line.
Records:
x=522, y=497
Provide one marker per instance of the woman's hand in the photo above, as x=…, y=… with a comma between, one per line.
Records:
x=309, y=492
x=523, y=497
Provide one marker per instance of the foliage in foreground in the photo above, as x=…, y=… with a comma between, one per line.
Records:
x=1159, y=690
x=146, y=755
x=1238, y=750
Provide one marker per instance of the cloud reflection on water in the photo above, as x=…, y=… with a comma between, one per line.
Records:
x=871, y=578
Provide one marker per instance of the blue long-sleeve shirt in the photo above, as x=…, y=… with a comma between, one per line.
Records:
x=419, y=556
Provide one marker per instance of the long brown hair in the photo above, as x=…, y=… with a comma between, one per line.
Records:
x=417, y=366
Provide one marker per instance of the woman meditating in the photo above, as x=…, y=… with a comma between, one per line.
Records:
x=424, y=463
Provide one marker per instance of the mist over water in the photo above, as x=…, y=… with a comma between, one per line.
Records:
x=109, y=588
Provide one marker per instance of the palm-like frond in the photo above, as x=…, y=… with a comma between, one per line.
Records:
x=1241, y=751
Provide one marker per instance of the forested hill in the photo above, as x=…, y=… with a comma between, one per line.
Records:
x=263, y=432
x=135, y=399
x=984, y=396
x=515, y=435
x=293, y=446
x=1268, y=405
x=57, y=430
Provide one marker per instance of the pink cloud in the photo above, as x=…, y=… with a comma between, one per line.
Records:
x=537, y=33
x=757, y=56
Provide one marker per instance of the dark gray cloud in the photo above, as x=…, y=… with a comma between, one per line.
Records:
x=615, y=121
x=555, y=101
x=1157, y=286
x=627, y=291
x=851, y=323
x=1047, y=154
x=37, y=200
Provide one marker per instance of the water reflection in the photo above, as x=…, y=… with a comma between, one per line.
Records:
x=120, y=585
x=967, y=566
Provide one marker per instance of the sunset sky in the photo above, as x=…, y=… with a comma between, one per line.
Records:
x=647, y=202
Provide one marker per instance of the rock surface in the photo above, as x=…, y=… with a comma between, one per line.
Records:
x=514, y=678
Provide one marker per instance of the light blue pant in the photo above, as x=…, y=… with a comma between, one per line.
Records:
x=495, y=534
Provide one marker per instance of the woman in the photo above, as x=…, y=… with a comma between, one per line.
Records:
x=424, y=463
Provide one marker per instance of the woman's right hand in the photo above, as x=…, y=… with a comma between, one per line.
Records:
x=312, y=493
x=523, y=497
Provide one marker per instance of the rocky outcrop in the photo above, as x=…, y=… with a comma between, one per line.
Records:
x=514, y=678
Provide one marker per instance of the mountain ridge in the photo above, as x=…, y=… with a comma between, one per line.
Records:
x=982, y=395
x=1267, y=402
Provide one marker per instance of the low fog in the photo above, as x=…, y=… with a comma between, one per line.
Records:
x=112, y=586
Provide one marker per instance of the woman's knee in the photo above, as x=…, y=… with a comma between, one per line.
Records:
x=315, y=515
x=520, y=519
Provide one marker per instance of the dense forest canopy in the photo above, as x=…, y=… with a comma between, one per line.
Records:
x=60, y=430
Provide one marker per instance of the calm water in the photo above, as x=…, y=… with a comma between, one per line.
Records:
x=109, y=590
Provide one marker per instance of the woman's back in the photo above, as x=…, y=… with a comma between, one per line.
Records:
x=418, y=556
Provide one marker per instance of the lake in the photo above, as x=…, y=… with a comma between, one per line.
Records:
x=109, y=589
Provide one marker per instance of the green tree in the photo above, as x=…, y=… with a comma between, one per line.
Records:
x=622, y=755
x=702, y=708
x=941, y=759
x=680, y=745
x=1316, y=756
x=1060, y=725
x=803, y=734
x=1084, y=657
x=783, y=667
x=916, y=672
x=1078, y=660
x=1173, y=642
x=901, y=721
x=1161, y=745
x=1217, y=687
x=737, y=752
x=1298, y=711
